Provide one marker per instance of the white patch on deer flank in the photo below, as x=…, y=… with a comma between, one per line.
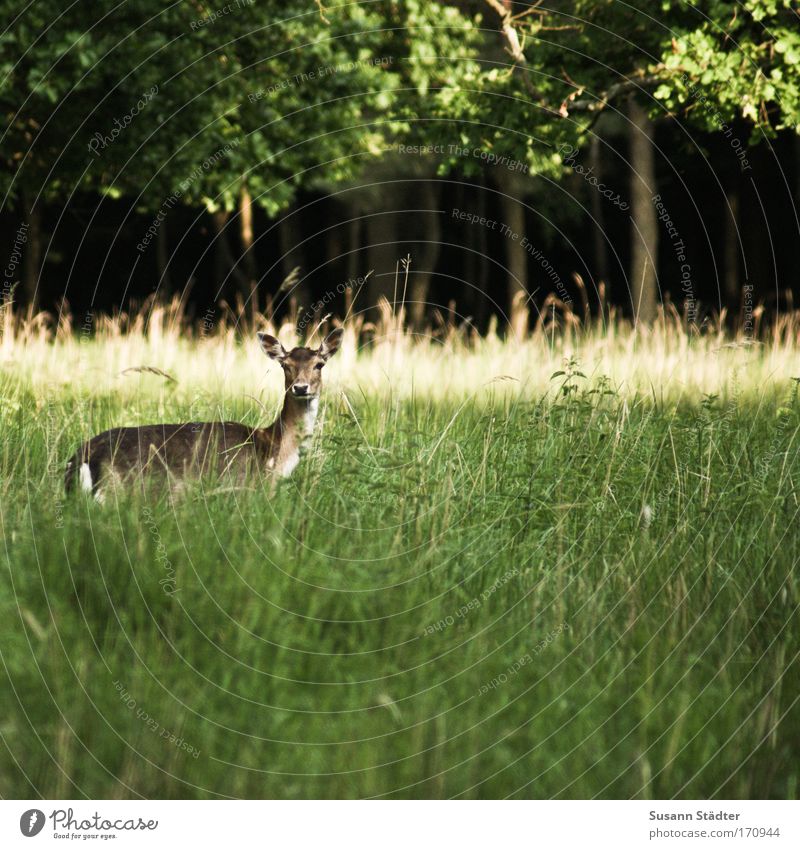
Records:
x=86, y=477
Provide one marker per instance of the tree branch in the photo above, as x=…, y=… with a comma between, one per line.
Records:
x=598, y=103
x=513, y=45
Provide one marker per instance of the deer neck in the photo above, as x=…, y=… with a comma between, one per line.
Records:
x=299, y=417
x=295, y=428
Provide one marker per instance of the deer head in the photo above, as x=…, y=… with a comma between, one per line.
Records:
x=302, y=367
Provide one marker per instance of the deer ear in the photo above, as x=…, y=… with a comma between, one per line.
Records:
x=330, y=344
x=271, y=347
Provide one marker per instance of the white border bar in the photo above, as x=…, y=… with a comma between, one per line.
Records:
x=404, y=824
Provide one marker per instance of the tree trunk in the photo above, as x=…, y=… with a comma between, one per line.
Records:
x=334, y=248
x=599, y=229
x=644, y=221
x=224, y=261
x=162, y=258
x=32, y=262
x=290, y=235
x=797, y=171
x=479, y=263
x=513, y=217
x=423, y=263
x=382, y=253
x=246, y=236
x=330, y=273
x=354, y=266
x=796, y=181
x=733, y=284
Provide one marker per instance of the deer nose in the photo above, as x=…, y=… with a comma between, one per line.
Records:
x=299, y=389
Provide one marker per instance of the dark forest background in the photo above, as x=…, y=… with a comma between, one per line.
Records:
x=279, y=139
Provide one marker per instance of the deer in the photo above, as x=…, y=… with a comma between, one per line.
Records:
x=192, y=449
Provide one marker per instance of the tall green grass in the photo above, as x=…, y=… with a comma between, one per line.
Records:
x=551, y=586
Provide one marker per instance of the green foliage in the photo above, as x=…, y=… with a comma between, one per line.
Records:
x=744, y=57
x=709, y=63
x=272, y=94
x=281, y=95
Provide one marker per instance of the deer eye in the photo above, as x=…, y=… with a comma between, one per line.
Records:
x=318, y=366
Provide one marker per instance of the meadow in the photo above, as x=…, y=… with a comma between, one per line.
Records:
x=561, y=567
